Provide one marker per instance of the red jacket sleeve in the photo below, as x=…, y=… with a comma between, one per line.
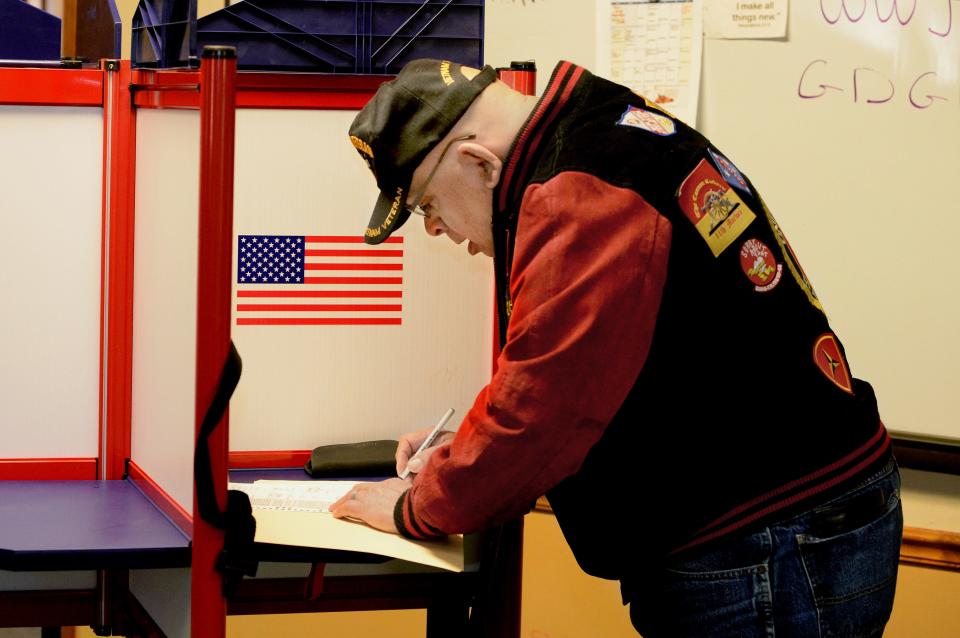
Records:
x=588, y=271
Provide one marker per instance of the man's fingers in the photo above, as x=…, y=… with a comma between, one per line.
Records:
x=372, y=503
x=351, y=495
x=347, y=509
x=416, y=463
x=409, y=444
x=404, y=450
x=344, y=500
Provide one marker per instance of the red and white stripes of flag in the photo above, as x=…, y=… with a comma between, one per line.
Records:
x=315, y=280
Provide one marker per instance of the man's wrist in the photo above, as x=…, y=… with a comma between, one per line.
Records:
x=408, y=525
x=398, y=518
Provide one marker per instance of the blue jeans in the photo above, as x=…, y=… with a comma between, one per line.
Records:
x=827, y=573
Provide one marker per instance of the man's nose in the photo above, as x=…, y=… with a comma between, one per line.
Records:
x=433, y=226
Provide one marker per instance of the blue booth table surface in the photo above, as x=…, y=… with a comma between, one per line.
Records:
x=57, y=525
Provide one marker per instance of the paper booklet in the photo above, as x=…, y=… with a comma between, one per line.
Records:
x=298, y=513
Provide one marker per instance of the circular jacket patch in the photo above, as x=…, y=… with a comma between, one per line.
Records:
x=759, y=265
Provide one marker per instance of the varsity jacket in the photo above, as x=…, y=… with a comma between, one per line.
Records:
x=668, y=375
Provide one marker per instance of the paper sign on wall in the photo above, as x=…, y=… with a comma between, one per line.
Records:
x=745, y=19
x=654, y=48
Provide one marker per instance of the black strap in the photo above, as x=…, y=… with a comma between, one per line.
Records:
x=235, y=560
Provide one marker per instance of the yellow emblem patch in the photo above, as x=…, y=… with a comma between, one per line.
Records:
x=793, y=264
x=715, y=209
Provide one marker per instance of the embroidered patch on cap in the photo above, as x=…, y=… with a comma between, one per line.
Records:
x=829, y=358
x=715, y=209
x=648, y=121
x=730, y=173
x=759, y=265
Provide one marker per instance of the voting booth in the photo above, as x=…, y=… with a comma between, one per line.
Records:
x=133, y=195
x=72, y=528
x=131, y=198
x=365, y=343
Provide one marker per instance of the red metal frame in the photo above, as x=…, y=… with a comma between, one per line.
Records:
x=216, y=90
x=55, y=87
x=268, y=459
x=63, y=469
x=178, y=89
x=119, y=160
x=217, y=125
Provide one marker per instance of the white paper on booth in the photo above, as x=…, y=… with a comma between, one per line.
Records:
x=297, y=513
x=296, y=496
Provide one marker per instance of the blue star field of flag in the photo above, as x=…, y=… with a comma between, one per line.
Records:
x=270, y=259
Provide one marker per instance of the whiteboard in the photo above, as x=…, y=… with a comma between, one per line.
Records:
x=850, y=128
x=862, y=178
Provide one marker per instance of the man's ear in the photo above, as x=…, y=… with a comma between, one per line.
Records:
x=484, y=159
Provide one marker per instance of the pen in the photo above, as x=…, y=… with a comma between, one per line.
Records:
x=427, y=442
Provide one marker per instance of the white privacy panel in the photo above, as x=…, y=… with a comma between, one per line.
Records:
x=297, y=176
x=165, y=298
x=50, y=241
x=343, y=379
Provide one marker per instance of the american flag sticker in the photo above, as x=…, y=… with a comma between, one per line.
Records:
x=318, y=280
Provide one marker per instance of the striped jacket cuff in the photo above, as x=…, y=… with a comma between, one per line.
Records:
x=407, y=524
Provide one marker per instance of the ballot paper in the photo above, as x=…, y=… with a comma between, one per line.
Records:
x=298, y=513
x=294, y=496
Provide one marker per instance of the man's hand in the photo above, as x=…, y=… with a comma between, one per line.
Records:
x=409, y=444
x=372, y=503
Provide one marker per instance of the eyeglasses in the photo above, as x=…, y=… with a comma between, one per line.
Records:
x=415, y=209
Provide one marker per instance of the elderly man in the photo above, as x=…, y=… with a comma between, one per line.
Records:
x=668, y=377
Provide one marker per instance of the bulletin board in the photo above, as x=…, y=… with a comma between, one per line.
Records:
x=849, y=126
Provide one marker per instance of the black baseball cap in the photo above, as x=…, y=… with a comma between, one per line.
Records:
x=402, y=122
